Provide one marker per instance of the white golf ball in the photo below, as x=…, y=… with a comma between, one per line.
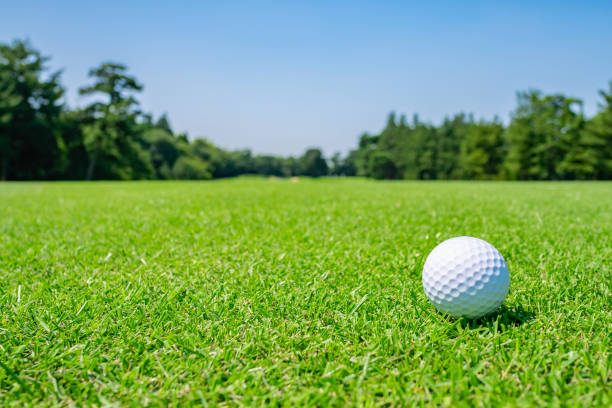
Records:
x=466, y=277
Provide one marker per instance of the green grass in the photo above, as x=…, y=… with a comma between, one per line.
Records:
x=268, y=292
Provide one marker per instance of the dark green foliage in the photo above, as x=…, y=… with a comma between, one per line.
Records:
x=191, y=168
x=598, y=140
x=482, y=150
x=163, y=123
x=348, y=166
x=220, y=160
x=291, y=167
x=545, y=138
x=343, y=166
x=367, y=145
x=416, y=150
x=548, y=138
x=419, y=153
x=269, y=165
x=110, y=128
x=336, y=164
x=31, y=146
x=77, y=159
x=451, y=135
x=164, y=149
x=313, y=164
x=381, y=166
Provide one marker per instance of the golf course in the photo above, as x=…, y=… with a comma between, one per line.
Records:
x=256, y=291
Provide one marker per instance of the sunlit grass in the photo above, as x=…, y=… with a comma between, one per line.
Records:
x=254, y=291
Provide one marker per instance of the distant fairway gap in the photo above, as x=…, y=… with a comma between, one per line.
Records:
x=252, y=291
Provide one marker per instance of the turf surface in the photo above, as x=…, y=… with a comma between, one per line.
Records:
x=256, y=292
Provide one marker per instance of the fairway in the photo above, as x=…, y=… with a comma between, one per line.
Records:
x=254, y=291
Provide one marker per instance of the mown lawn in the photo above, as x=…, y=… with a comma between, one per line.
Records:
x=271, y=292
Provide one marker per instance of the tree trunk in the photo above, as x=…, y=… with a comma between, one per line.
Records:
x=92, y=165
x=4, y=169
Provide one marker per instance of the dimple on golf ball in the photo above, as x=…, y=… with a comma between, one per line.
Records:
x=466, y=277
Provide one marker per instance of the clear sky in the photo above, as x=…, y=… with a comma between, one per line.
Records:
x=278, y=77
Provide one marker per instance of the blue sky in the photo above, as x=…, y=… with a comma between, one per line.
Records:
x=278, y=77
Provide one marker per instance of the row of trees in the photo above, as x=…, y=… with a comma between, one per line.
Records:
x=110, y=138
x=548, y=137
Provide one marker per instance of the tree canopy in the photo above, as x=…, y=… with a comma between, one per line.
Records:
x=548, y=137
x=30, y=110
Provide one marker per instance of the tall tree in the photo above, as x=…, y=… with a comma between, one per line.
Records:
x=71, y=129
x=30, y=107
x=336, y=164
x=291, y=167
x=451, y=135
x=482, y=150
x=220, y=160
x=367, y=145
x=163, y=123
x=389, y=161
x=164, y=150
x=269, y=165
x=313, y=164
x=110, y=128
x=191, y=168
x=411, y=151
x=348, y=167
x=543, y=134
x=598, y=139
x=382, y=166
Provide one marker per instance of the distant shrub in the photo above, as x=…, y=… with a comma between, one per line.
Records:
x=190, y=168
x=381, y=166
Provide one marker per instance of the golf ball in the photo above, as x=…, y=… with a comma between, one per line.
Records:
x=466, y=277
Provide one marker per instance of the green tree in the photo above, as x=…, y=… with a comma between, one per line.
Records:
x=544, y=136
x=367, y=146
x=219, y=160
x=482, y=150
x=347, y=167
x=191, y=168
x=597, y=155
x=243, y=161
x=163, y=123
x=343, y=166
x=291, y=167
x=77, y=159
x=268, y=165
x=30, y=108
x=313, y=164
x=336, y=164
x=9, y=100
x=164, y=150
x=389, y=151
x=111, y=127
x=389, y=138
x=412, y=156
x=451, y=134
x=382, y=166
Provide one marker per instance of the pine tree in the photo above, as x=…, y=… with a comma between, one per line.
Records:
x=482, y=150
x=30, y=108
x=110, y=128
x=544, y=136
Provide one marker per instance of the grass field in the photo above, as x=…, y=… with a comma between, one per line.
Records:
x=255, y=292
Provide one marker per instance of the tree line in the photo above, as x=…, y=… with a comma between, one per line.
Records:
x=41, y=138
x=548, y=138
